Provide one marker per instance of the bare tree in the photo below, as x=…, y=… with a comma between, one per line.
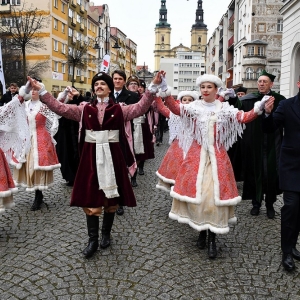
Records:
x=23, y=30
x=78, y=56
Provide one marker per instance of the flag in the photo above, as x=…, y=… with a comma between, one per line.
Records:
x=105, y=64
x=2, y=79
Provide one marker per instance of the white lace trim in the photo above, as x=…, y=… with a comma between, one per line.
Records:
x=14, y=130
x=195, y=118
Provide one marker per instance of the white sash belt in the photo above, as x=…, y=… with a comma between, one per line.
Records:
x=138, y=135
x=105, y=167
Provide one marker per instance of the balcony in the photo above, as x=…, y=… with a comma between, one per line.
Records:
x=231, y=42
x=220, y=70
x=5, y=8
x=73, y=2
x=81, y=79
x=230, y=64
x=231, y=22
x=73, y=21
x=257, y=60
x=82, y=8
x=81, y=26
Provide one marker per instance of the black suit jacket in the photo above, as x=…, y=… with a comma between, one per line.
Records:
x=287, y=116
x=127, y=97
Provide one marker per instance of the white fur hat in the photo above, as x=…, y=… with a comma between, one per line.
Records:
x=209, y=78
x=192, y=94
x=23, y=94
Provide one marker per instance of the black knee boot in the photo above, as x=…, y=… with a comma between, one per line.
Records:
x=133, y=180
x=141, y=167
x=201, y=242
x=212, y=248
x=108, y=219
x=93, y=232
x=38, y=200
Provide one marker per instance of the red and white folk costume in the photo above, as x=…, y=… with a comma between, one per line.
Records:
x=14, y=140
x=205, y=191
x=37, y=172
x=174, y=157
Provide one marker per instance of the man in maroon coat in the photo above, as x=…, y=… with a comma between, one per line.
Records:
x=102, y=179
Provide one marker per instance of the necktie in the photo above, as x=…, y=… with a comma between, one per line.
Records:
x=116, y=94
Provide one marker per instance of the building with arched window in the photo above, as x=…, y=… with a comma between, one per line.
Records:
x=290, y=68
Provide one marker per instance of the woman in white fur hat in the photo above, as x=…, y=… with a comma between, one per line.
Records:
x=36, y=173
x=14, y=141
x=205, y=191
x=172, y=160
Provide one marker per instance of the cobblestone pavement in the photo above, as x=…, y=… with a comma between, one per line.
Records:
x=151, y=257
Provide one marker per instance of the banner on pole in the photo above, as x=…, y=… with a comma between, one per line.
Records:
x=2, y=79
x=105, y=64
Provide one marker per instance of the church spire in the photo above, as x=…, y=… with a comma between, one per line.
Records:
x=199, y=23
x=163, y=22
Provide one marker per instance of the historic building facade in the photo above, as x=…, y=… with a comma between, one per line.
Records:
x=290, y=68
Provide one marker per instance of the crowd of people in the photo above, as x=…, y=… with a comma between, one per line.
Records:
x=102, y=141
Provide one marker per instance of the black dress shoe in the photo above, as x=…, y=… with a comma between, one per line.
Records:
x=288, y=262
x=141, y=171
x=254, y=211
x=296, y=253
x=120, y=211
x=133, y=182
x=270, y=212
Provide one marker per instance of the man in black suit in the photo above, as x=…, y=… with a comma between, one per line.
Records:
x=122, y=95
x=12, y=91
x=120, y=92
x=287, y=116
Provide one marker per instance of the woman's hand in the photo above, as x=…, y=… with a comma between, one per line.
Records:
x=158, y=77
x=34, y=83
x=269, y=105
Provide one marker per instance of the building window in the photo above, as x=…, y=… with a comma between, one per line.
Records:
x=70, y=32
x=63, y=48
x=55, y=66
x=63, y=6
x=63, y=68
x=55, y=45
x=162, y=39
x=251, y=50
x=279, y=25
x=55, y=23
x=56, y=3
x=14, y=2
x=70, y=70
x=199, y=39
x=260, y=50
x=258, y=72
x=249, y=73
x=63, y=26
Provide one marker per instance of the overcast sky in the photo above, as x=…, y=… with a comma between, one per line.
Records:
x=137, y=19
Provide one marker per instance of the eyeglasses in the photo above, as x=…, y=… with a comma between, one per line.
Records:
x=133, y=83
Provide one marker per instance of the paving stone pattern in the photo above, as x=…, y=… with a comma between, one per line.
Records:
x=151, y=257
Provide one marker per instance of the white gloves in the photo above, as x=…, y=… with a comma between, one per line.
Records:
x=64, y=93
x=28, y=87
x=263, y=102
x=227, y=93
x=163, y=86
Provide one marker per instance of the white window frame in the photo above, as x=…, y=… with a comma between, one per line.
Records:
x=55, y=66
x=55, y=45
x=55, y=23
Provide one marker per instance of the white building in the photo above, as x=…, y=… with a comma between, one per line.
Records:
x=290, y=68
x=183, y=70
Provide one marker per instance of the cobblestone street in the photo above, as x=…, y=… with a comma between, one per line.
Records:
x=151, y=257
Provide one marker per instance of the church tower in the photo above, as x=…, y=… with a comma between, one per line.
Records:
x=199, y=30
x=162, y=36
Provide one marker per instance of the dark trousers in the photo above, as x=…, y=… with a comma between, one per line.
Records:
x=269, y=199
x=290, y=220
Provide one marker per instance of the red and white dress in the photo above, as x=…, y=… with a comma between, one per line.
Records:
x=173, y=159
x=205, y=191
x=14, y=140
x=37, y=172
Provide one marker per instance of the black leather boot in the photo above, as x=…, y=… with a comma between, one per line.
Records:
x=108, y=220
x=120, y=211
x=133, y=180
x=38, y=200
x=201, y=242
x=141, y=168
x=93, y=232
x=212, y=248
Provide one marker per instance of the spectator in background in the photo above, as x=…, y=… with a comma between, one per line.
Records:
x=12, y=91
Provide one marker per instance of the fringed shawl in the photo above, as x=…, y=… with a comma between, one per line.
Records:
x=195, y=118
